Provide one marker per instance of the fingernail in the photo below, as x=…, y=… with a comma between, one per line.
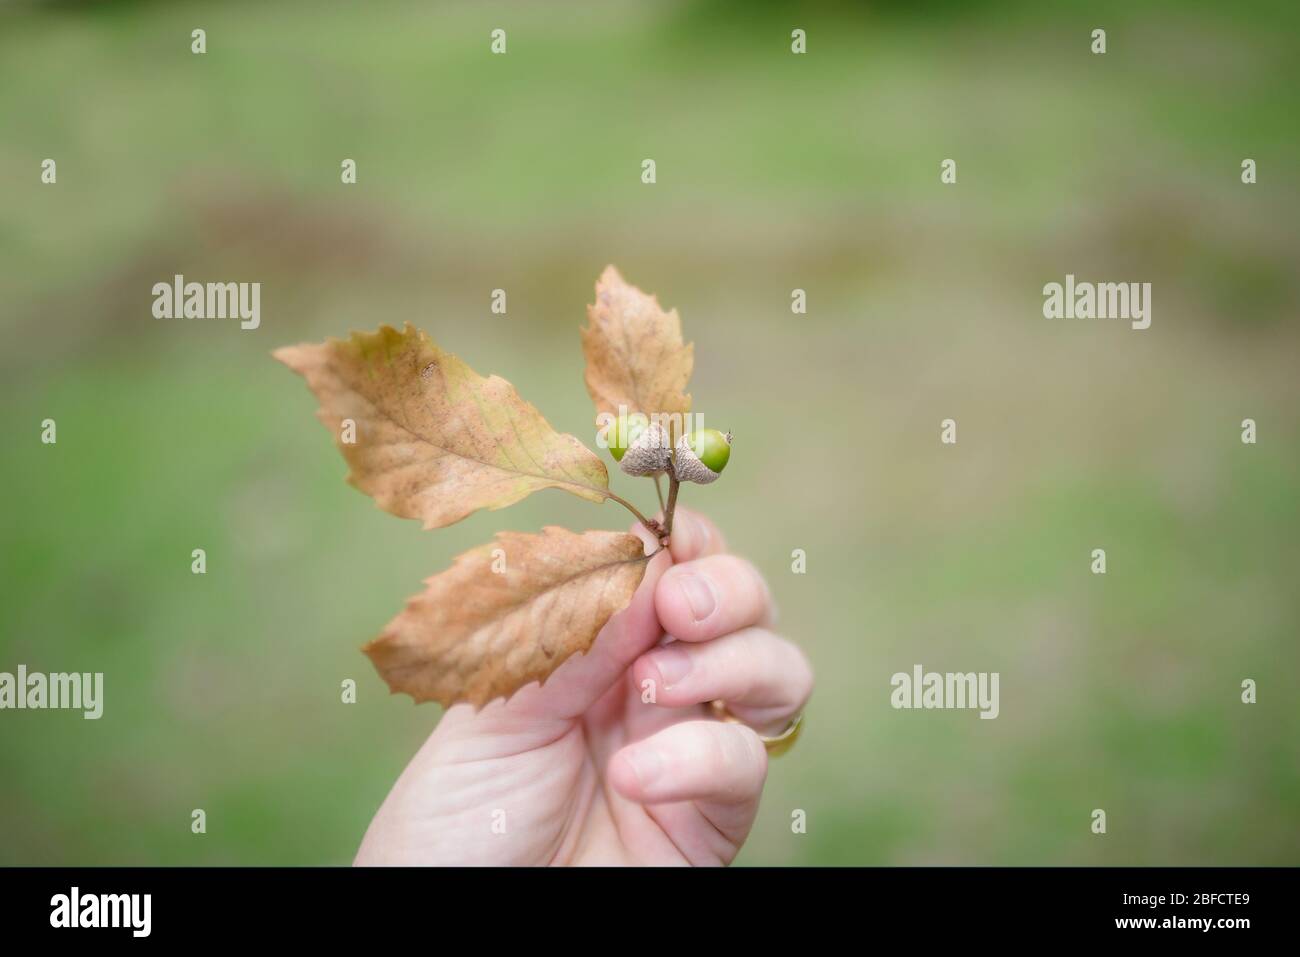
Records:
x=699, y=595
x=673, y=664
x=646, y=764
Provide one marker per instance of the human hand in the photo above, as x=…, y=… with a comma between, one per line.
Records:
x=616, y=759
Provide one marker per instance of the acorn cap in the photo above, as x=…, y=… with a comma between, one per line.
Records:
x=649, y=454
x=688, y=466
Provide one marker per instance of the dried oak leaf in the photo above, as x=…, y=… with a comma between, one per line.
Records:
x=634, y=350
x=497, y=620
x=434, y=440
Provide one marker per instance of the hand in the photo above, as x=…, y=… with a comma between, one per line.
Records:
x=581, y=770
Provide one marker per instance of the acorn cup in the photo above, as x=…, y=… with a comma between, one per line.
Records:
x=649, y=453
x=641, y=447
x=702, y=455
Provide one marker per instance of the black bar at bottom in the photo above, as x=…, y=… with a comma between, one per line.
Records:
x=329, y=905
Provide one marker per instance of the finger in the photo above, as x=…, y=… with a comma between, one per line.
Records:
x=578, y=683
x=711, y=596
x=764, y=679
x=705, y=761
x=694, y=536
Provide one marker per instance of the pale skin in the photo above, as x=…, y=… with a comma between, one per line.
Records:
x=584, y=770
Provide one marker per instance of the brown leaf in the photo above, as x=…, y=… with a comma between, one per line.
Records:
x=477, y=633
x=634, y=350
x=434, y=439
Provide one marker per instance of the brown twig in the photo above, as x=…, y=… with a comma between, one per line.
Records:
x=673, y=485
x=649, y=523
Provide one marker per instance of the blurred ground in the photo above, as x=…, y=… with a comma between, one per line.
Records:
x=774, y=172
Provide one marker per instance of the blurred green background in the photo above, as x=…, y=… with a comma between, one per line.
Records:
x=775, y=172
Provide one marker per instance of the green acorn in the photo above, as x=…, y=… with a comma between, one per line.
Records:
x=702, y=455
x=639, y=446
x=622, y=432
